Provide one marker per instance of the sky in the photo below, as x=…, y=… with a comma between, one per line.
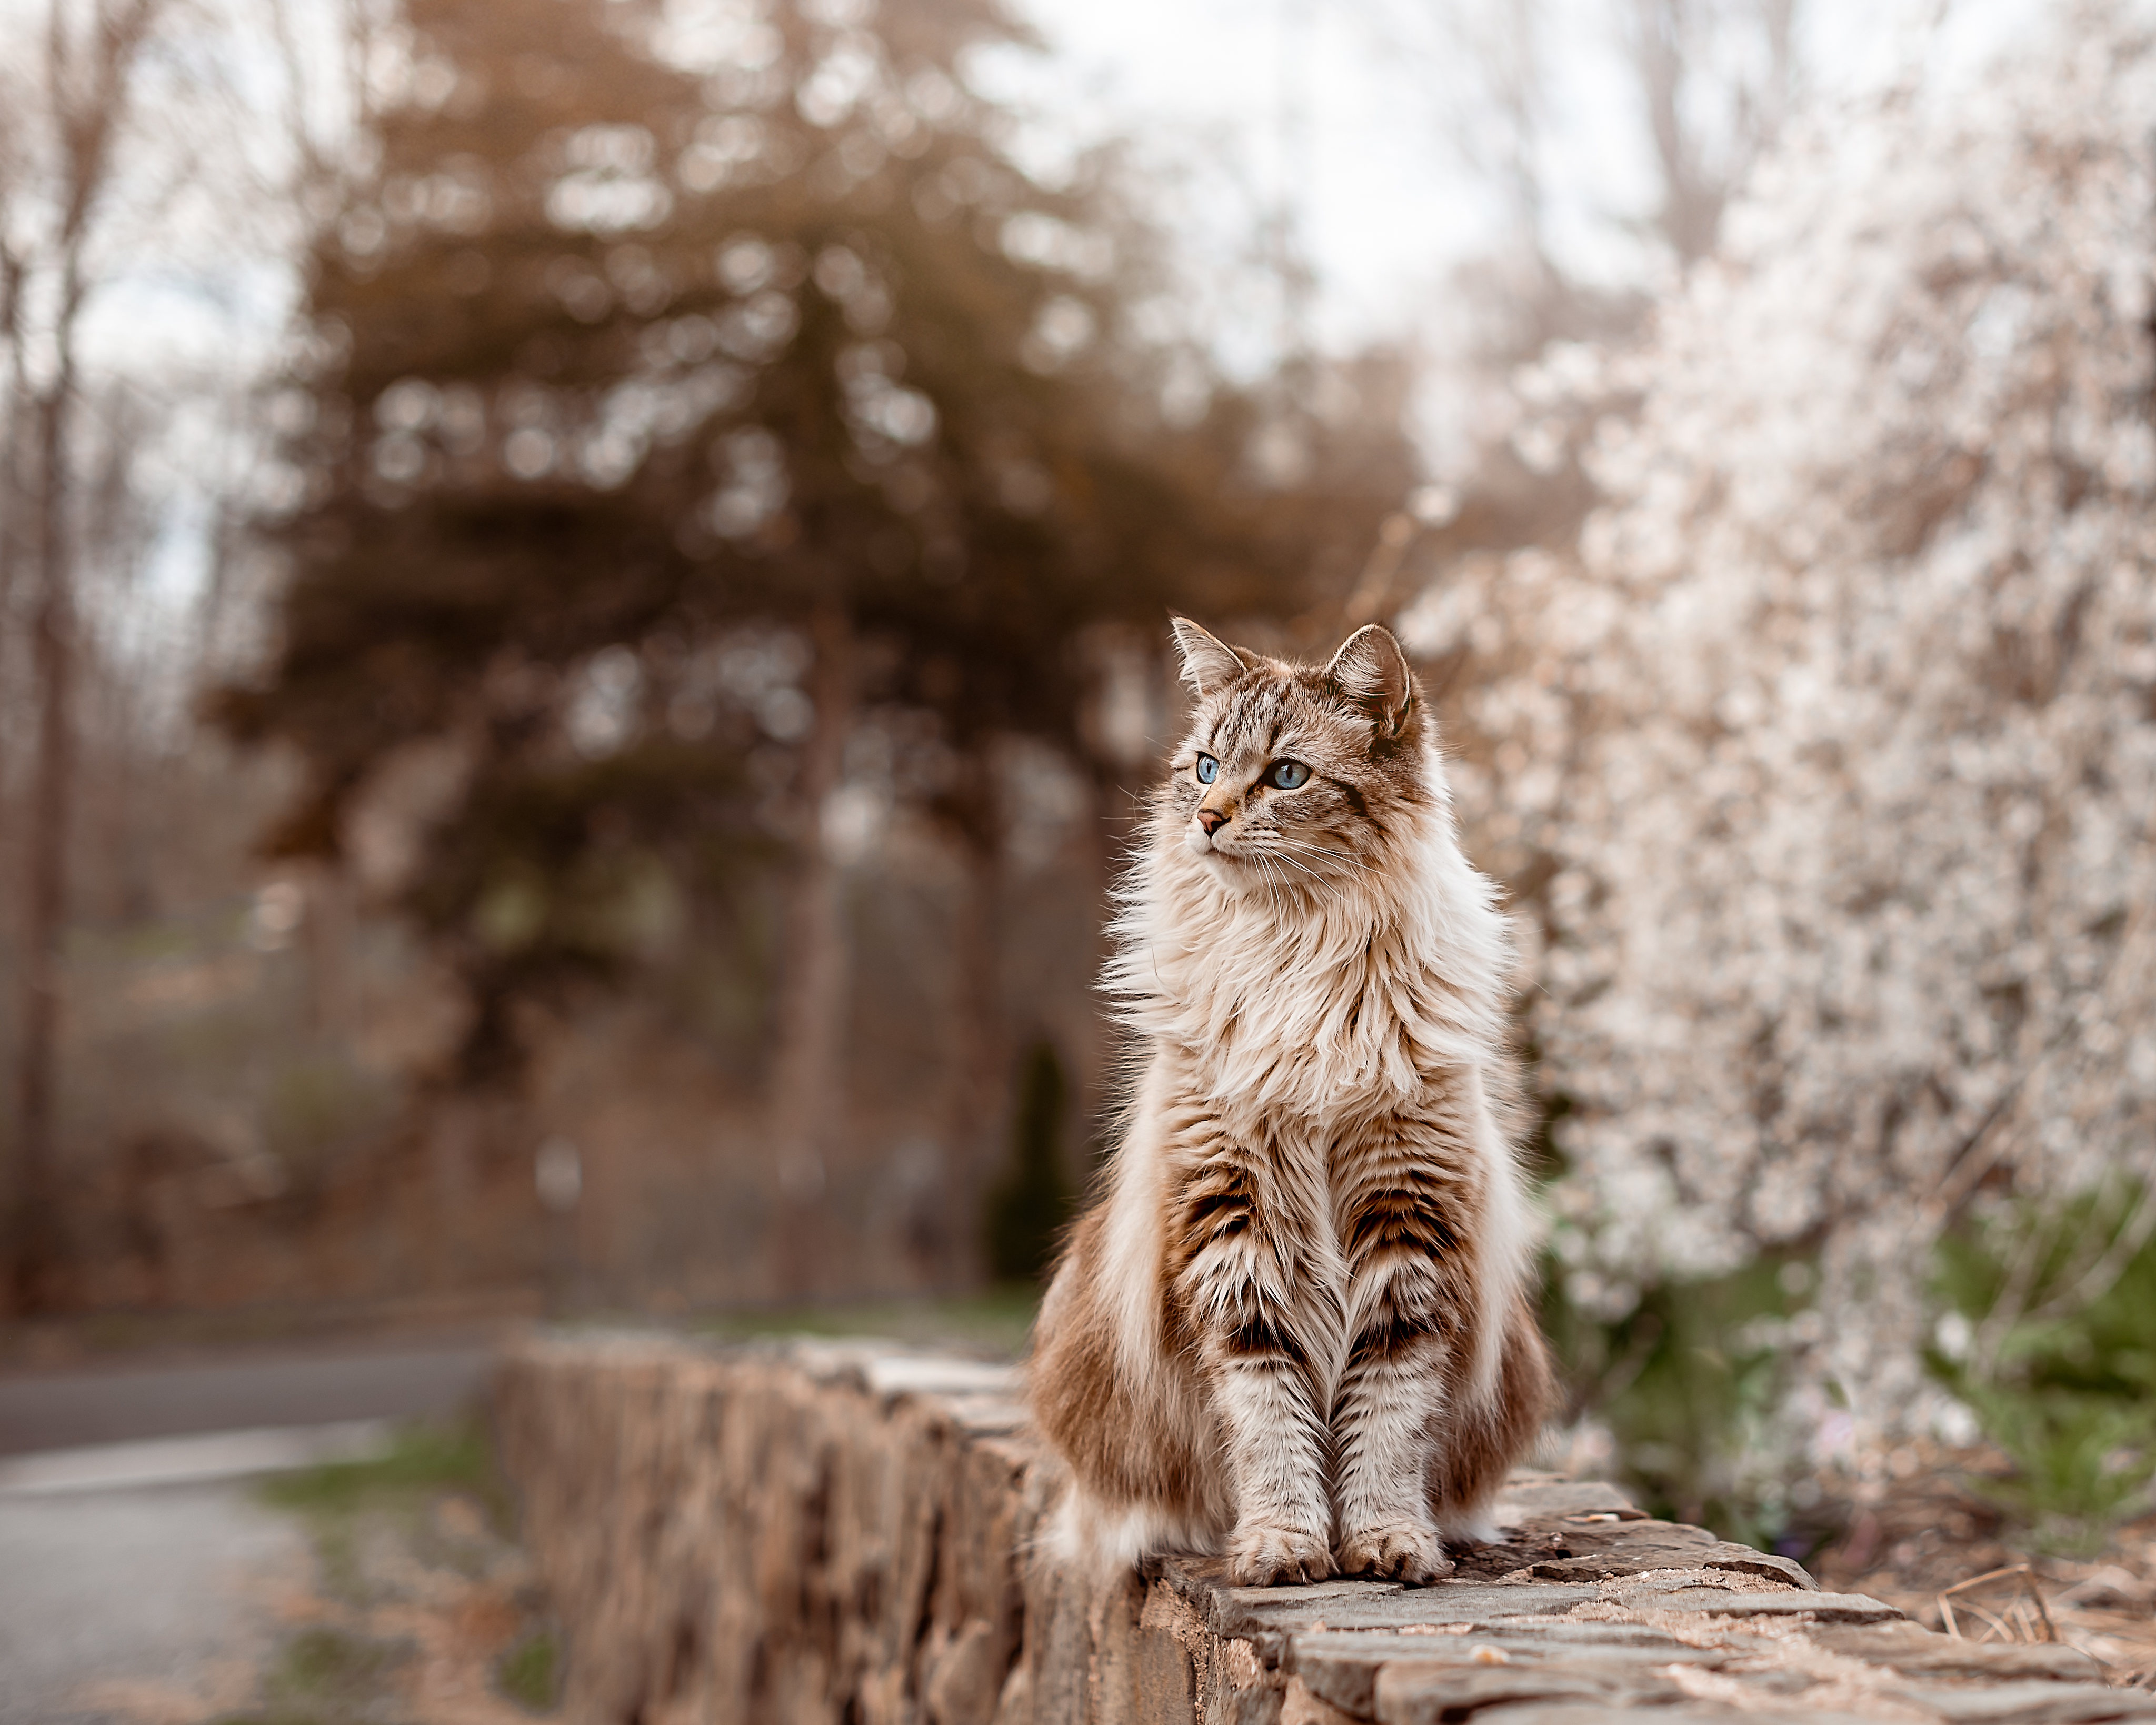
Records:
x=1384, y=207
x=1378, y=195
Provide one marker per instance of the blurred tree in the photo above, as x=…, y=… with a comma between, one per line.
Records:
x=679, y=380
x=66, y=114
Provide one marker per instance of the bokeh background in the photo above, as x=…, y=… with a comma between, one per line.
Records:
x=583, y=589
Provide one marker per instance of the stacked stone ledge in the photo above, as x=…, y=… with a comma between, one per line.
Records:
x=827, y=1534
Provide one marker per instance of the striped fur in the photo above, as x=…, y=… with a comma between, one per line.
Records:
x=1297, y=1328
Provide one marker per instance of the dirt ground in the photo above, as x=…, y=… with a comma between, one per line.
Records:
x=1928, y=1542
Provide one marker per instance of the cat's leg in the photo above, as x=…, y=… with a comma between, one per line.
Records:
x=1405, y=1299
x=1235, y=1251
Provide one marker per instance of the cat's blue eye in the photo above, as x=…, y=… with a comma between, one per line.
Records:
x=1287, y=775
x=1208, y=769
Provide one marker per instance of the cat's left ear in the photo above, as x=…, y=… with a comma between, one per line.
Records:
x=1209, y=663
x=1371, y=670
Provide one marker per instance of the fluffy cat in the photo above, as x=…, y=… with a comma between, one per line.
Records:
x=1297, y=1328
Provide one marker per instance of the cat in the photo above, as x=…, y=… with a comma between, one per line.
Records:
x=1297, y=1328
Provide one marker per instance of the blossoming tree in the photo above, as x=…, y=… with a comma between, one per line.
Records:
x=1826, y=765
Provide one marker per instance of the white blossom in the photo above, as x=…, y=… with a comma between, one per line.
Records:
x=1836, y=734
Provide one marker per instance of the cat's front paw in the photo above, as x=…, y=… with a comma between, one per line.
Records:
x=1277, y=1556
x=1407, y=1552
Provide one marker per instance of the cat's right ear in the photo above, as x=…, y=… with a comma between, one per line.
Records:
x=1208, y=662
x=1371, y=670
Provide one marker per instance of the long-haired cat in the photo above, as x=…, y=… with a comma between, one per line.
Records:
x=1297, y=1328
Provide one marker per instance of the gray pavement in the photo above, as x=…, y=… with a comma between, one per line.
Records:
x=150, y=1604
x=109, y=1404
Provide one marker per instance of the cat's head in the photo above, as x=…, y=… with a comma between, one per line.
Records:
x=1292, y=777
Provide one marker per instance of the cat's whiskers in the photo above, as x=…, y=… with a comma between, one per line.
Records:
x=1257, y=852
x=1302, y=847
x=1284, y=849
x=1308, y=849
x=1248, y=855
x=1280, y=855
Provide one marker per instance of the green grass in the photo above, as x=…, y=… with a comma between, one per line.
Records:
x=327, y=1665
x=529, y=1674
x=388, y=1529
x=994, y=1323
x=424, y=1459
x=1688, y=1383
x=328, y=1677
x=2069, y=1395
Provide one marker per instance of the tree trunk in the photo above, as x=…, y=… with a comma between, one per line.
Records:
x=807, y=1095
x=86, y=81
x=328, y=929
x=14, y=491
x=45, y=899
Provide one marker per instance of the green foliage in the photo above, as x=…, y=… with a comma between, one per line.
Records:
x=1025, y=1215
x=2051, y=1339
x=529, y=1674
x=1689, y=1383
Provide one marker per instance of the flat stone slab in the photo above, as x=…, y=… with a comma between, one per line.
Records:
x=846, y=1531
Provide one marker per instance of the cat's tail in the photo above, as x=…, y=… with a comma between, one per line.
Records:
x=1482, y=1441
x=1099, y=1540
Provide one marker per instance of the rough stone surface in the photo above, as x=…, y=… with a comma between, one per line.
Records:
x=843, y=1535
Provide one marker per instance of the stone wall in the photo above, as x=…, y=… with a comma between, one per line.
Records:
x=840, y=1535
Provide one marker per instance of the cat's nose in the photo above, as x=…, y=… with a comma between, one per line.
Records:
x=1212, y=819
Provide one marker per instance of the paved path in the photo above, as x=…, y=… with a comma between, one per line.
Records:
x=152, y=1605
x=109, y=1404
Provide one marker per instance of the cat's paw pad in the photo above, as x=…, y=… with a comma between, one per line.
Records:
x=1410, y=1553
x=1278, y=1556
